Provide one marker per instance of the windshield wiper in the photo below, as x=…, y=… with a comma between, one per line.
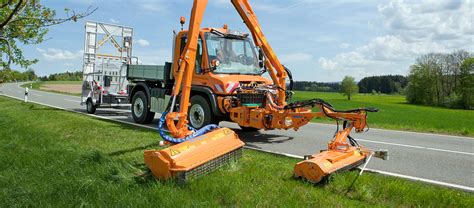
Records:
x=229, y=35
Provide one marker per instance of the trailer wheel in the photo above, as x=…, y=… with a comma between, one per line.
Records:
x=90, y=107
x=140, y=111
x=200, y=114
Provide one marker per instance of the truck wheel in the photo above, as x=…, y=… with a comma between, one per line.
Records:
x=90, y=107
x=200, y=114
x=248, y=129
x=140, y=112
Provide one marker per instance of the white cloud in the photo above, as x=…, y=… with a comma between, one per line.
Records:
x=412, y=29
x=143, y=42
x=327, y=64
x=52, y=54
x=112, y=20
x=428, y=20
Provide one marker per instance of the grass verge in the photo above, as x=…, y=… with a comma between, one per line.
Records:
x=396, y=114
x=51, y=157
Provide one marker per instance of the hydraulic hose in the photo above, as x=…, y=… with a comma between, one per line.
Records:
x=168, y=138
x=290, y=76
x=289, y=91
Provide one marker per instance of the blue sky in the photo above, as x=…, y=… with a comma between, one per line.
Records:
x=319, y=40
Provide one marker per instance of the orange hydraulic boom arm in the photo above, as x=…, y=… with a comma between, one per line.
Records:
x=188, y=58
x=198, y=152
x=187, y=62
x=343, y=152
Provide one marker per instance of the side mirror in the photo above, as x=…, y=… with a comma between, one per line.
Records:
x=213, y=66
x=260, y=58
x=215, y=63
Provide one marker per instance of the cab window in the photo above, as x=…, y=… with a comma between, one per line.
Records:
x=198, y=68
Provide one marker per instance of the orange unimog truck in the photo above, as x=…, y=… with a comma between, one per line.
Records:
x=226, y=62
x=216, y=75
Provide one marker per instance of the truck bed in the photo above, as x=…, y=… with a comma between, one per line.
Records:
x=147, y=72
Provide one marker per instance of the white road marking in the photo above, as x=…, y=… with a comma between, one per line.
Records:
x=36, y=95
x=73, y=111
x=404, y=132
x=466, y=188
x=55, y=94
x=311, y=123
x=274, y=152
x=370, y=141
x=75, y=101
x=413, y=178
x=417, y=147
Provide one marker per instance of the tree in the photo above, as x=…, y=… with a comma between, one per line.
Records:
x=349, y=87
x=439, y=79
x=27, y=22
x=466, y=88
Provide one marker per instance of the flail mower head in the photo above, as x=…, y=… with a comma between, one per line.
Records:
x=195, y=157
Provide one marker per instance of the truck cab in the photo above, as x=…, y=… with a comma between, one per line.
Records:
x=225, y=60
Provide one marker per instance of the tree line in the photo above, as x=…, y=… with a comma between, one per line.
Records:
x=316, y=86
x=440, y=79
x=8, y=75
x=387, y=84
x=64, y=76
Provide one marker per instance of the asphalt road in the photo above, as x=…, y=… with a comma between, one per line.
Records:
x=439, y=159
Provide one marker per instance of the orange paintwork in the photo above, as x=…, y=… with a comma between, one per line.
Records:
x=339, y=155
x=272, y=115
x=211, y=79
x=185, y=156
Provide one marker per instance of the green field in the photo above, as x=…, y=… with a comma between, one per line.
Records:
x=55, y=158
x=396, y=114
x=37, y=86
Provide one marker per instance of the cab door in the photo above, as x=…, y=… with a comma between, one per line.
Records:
x=198, y=78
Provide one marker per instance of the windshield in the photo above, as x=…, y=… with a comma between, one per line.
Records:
x=236, y=56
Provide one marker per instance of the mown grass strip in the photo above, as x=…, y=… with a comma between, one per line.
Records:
x=50, y=157
x=37, y=86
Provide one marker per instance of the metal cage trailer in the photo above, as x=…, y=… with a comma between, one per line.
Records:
x=107, y=51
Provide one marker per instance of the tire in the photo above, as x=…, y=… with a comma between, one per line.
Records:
x=248, y=129
x=200, y=114
x=90, y=107
x=140, y=111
